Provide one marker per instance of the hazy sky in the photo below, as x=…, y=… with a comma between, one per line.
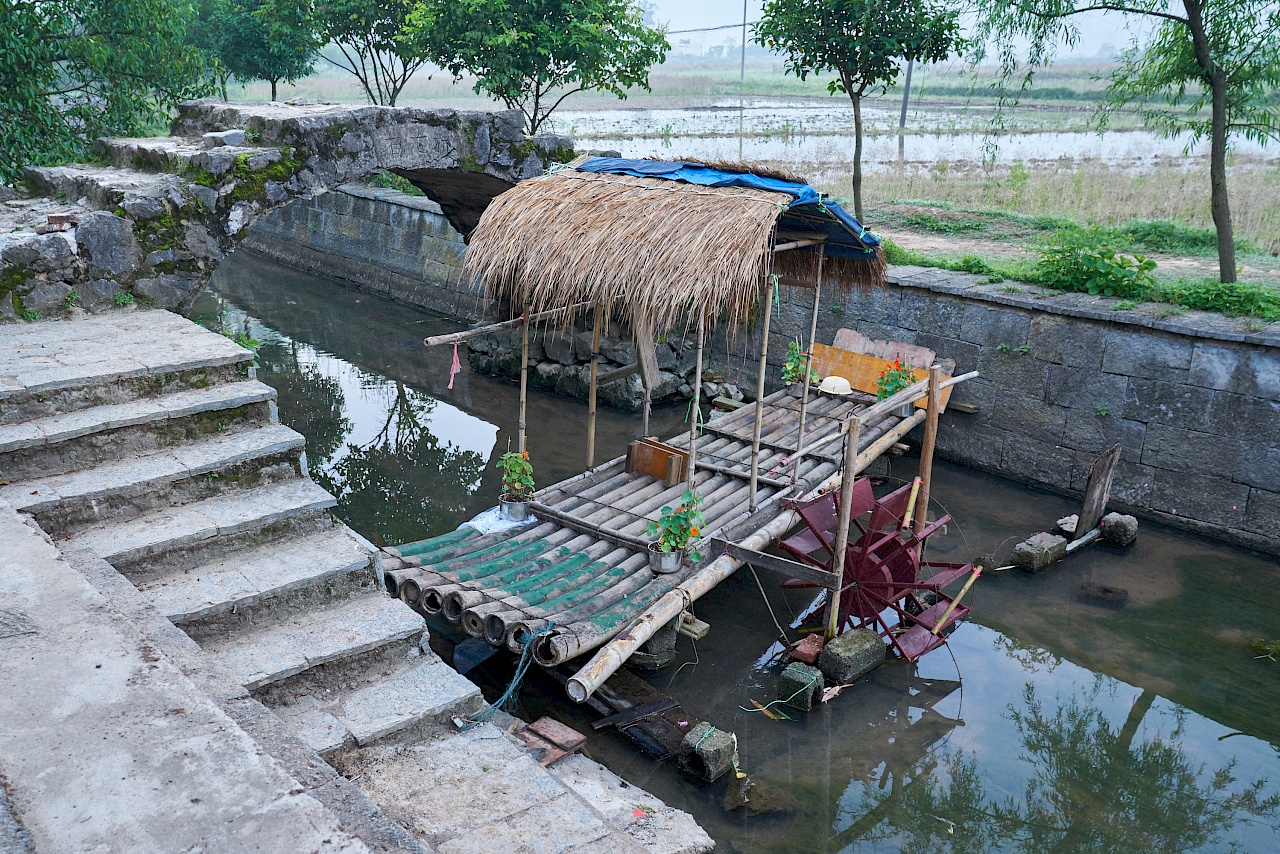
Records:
x=1097, y=29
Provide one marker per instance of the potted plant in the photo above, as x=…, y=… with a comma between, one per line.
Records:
x=894, y=378
x=517, y=485
x=795, y=367
x=676, y=528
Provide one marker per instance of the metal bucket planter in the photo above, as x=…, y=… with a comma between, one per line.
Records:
x=513, y=511
x=664, y=563
x=905, y=410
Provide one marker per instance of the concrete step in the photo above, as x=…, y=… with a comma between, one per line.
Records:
x=155, y=541
x=52, y=368
x=174, y=154
x=277, y=650
x=427, y=691
x=87, y=437
x=127, y=488
x=102, y=188
x=253, y=583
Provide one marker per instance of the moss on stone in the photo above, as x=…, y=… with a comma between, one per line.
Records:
x=251, y=183
x=562, y=155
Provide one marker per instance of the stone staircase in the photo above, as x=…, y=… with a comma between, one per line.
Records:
x=147, y=440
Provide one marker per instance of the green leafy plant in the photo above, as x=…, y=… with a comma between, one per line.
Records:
x=123, y=298
x=894, y=378
x=796, y=365
x=517, y=476
x=680, y=526
x=243, y=339
x=1102, y=411
x=30, y=315
x=1091, y=260
x=1003, y=349
x=1023, y=350
x=1124, y=305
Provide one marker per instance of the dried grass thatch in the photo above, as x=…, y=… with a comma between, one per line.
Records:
x=653, y=248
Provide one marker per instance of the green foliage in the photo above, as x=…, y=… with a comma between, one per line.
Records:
x=680, y=526
x=1162, y=235
x=30, y=315
x=894, y=378
x=532, y=55
x=366, y=34
x=1102, y=411
x=70, y=299
x=795, y=364
x=1234, y=298
x=245, y=341
x=517, y=476
x=1092, y=260
x=74, y=70
x=392, y=181
x=270, y=40
x=124, y=298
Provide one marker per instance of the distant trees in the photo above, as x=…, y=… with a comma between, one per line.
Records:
x=1214, y=57
x=270, y=40
x=532, y=54
x=74, y=70
x=864, y=42
x=366, y=33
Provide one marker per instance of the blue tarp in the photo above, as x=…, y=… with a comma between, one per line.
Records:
x=846, y=238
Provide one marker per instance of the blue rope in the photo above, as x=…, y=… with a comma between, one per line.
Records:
x=526, y=658
x=813, y=679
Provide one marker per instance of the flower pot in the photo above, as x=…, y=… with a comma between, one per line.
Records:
x=513, y=511
x=905, y=410
x=664, y=563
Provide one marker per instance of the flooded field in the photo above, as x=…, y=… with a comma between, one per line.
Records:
x=1050, y=724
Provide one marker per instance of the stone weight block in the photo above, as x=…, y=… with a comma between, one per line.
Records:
x=800, y=686
x=1119, y=529
x=707, y=752
x=851, y=655
x=1040, y=551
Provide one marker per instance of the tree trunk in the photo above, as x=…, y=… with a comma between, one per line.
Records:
x=273, y=90
x=857, y=157
x=1219, y=204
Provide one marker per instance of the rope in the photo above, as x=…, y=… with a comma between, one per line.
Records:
x=710, y=730
x=812, y=681
x=782, y=635
x=526, y=658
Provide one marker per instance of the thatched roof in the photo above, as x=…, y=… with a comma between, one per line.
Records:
x=657, y=249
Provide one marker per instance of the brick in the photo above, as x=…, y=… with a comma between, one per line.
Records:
x=853, y=654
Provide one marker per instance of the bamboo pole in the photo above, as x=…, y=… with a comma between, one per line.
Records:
x=695, y=411
x=926, y=448
x=591, y=391
x=465, y=335
x=842, y=526
x=524, y=375
x=808, y=365
x=755, y=430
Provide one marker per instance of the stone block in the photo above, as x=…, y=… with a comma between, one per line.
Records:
x=965, y=353
x=1031, y=417
x=1263, y=513
x=1158, y=401
x=1088, y=390
x=927, y=312
x=708, y=753
x=993, y=326
x=46, y=297
x=220, y=138
x=1260, y=467
x=559, y=347
x=143, y=207
x=1148, y=354
x=1236, y=369
x=978, y=445
x=1085, y=430
x=1040, y=551
x=48, y=253
x=801, y=685
x=1119, y=529
x=1177, y=449
x=98, y=293
x=659, y=650
x=1199, y=497
x=1238, y=415
x=169, y=291
x=109, y=242
x=851, y=655
x=1067, y=341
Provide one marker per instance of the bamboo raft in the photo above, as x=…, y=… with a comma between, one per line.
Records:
x=579, y=576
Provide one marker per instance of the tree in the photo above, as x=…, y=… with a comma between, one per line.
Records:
x=532, y=54
x=206, y=34
x=366, y=34
x=1219, y=54
x=74, y=70
x=864, y=42
x=270, y=40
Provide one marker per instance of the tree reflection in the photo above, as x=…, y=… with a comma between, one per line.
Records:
x=1091, y=789
x=309, y=402
x=404, y=484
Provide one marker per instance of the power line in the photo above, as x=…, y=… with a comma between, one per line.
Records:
x=712, y=29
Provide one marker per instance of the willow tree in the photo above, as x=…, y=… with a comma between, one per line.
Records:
x=863, y=42
x=1207, y=68
x=532, y=54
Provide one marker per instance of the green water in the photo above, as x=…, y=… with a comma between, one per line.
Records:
x=1047, y=724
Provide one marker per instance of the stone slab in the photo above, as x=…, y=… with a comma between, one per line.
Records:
x=1039, y=551
x=430, y=689
x=846, y=657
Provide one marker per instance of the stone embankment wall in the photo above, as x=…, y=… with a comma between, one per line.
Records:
x=384, y=241
x=1193, y=399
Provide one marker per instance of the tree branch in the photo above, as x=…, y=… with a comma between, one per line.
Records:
x=1104, y=7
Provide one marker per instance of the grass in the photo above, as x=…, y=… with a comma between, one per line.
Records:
x=392, y=181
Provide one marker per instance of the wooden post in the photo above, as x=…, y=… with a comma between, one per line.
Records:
x=644, y=427
x=851, y=438
x=524, y=375
x=695, y=411
x=813, y=336
x=926, y=450
x=591, y=392
x=755, y=432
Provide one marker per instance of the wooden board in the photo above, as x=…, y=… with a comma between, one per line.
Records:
x=862, y=370
x=850, y=339
x=1097, y=491
x=654, y=458
x=646, y=355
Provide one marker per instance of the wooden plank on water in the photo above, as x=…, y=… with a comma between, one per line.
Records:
x=1097, y=491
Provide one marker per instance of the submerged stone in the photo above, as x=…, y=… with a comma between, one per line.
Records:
x=1119, y=529
x=707, y=752
x=757, y=798
x=1037, y=553
x=800, y=685
x=852, y=654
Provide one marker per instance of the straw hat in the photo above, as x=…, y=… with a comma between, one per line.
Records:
x=836, y=385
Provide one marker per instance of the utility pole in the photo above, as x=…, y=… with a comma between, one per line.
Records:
x=906, y=93
x=742, y=69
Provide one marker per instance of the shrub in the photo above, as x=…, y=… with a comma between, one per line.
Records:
x=1092, y=260
x=1235, y=298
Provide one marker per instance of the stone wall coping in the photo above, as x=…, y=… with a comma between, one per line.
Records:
x=1194, y=324
x=394, y=197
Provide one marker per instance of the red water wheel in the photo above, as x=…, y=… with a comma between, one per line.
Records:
x=882, y=588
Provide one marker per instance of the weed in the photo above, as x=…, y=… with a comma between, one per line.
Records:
x=1011, y=289
x=1102, y=411
x=1003, y=349
x=391, y=181
x=1235, y=299
x=1254, y=325
x=71, y=299
x=1164, y=312
x=1091, y=260
x=1124, y=305
x=995, y=279
x=124, y=298
x=252, y=135
x=1023, y=350
x=30, y=315
x=837, y=310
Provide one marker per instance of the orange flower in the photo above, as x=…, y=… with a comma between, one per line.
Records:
x=693, y=532
x=524, y=454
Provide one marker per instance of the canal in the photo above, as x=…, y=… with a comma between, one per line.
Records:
x=1048, y=723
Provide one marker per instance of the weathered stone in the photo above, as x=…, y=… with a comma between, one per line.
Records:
x=1119, y=529
x=707, y=752
x=160, y=256
x=1145, y=353
x=109, y=242
x=618, y=350
x=757, y=798
x=801, y=685
x=1200, y=497
x=216, y=139
x=1236, y=369
x=98, y=293
x=46, y=297
x=170, y=290
x=1040, y=551
x=851, y=655
x=659, y=650
x=48, y=253
x=142, y=207
x=7, y=193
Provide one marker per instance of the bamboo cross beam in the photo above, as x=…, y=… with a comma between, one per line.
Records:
x=942, y=621
x=842, y=526
x=467, y=334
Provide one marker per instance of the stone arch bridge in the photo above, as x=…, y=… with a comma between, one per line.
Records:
x=151, y=218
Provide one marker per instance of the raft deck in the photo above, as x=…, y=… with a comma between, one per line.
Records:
x=579, y=575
